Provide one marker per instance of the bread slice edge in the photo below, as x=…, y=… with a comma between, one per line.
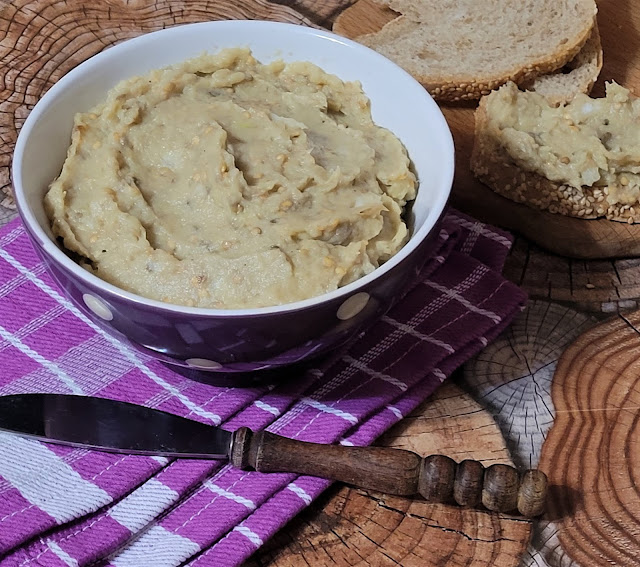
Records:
x=560, y=87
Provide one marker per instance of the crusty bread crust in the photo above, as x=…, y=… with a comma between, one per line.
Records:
x=492, y=165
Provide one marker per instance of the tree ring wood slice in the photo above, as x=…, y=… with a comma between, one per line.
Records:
x=596, y=393
x=349, y=526
x=512, y=378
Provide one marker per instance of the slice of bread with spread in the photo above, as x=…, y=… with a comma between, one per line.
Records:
x=580, y=159
x=462, y=49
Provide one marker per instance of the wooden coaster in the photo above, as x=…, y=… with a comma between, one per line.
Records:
x=349, y=526
x=592, y=452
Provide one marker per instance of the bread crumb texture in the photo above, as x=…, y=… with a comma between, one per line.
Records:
x=576, y=76
x=462, y=49
x=580, y=159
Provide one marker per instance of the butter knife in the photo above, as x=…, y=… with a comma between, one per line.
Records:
x=121, y=427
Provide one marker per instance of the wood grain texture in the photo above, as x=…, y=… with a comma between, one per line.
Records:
x=362, y=17
x=355, y=527
x=512, y=378
x=598, y=286
x=618, y=20
x=593, y=448
x=377, y=468
x=499, y=488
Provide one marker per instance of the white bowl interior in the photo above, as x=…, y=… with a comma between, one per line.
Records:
x=398, y=103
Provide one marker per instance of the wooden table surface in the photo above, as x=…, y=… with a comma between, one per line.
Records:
x=559, y=389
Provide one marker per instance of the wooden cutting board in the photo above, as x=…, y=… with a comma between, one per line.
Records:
x=41, y=40
x=577, y=238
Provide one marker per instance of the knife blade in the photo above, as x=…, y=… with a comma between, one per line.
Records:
x=108, y=425
x=122, y=427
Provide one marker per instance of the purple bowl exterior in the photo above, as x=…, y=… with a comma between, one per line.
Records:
x=241, y=343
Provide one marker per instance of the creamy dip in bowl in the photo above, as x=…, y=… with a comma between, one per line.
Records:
x=221, y=182
x=238, y=339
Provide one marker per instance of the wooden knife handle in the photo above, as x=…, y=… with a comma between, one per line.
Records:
x=395, y=471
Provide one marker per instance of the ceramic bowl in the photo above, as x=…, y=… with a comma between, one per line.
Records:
x=238, y=340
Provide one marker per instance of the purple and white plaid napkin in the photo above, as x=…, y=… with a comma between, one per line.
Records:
x=72, y=507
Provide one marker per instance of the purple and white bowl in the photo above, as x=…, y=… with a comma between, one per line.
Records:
x=238, y=340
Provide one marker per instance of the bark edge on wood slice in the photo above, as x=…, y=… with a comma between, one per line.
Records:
x=348, y=526
x=590, y=452
x=559, y=234
x=582, y=239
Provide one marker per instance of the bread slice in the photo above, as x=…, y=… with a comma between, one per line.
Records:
x=462, y=49
x=577, y=76
x=506, y=171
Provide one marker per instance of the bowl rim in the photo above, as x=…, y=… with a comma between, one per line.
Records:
x=57, y=255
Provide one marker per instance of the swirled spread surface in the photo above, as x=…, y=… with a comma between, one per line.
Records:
x=222, y=182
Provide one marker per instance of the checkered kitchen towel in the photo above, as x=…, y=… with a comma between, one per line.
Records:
x=63, y=506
